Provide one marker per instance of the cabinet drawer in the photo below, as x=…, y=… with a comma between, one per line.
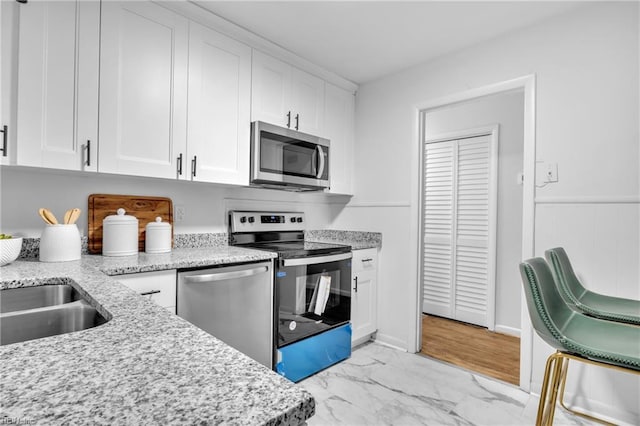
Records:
x=159, y=286
x=364, y=260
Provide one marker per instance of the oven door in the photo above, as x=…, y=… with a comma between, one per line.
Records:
x=313, y=294
x=285, y=157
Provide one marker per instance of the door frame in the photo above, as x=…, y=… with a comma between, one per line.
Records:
x=527, y=84
x=493, y=132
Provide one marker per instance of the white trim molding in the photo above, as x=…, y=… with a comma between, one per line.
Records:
x=381, y=204
x=527, y=84
x=609, y=199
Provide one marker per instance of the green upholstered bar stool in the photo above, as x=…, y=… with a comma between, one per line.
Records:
x=594, y=304
x=575, y=336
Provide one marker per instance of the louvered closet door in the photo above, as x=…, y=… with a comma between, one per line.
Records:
x=458, y=259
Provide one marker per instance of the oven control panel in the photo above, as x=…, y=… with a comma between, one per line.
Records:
x=252, y=221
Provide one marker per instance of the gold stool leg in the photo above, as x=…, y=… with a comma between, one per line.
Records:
x=560, y=376
x=549, y=393
x=564, y=382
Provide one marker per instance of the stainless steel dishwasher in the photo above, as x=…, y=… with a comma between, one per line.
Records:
x=232, y=303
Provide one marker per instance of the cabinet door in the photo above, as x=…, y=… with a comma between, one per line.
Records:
x=339, y=129
x=58, y=84
x=8, y=77
x=219, y=107
x=271, y=90
x=364, y=294
x=307, y=103
x=158, y=286
x=363, y=311
x=143, y=89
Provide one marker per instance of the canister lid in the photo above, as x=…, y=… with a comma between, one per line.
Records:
x=120, y=218
x=158, y=224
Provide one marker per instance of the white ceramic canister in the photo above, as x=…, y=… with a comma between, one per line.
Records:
x=158, y=237
x=60, y=243
x=119, y=234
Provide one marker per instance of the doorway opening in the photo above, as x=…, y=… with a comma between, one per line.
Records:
x=471, y=220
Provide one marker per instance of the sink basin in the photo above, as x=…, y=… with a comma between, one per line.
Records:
x=18, y=299
x=19, y=326
x=29, y=313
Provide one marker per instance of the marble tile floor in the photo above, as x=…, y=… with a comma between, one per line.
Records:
x=379, y=385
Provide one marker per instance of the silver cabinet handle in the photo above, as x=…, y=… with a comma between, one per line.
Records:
x=356, y=287
x=149, y=293
x=321, y=161
x=225, y=275
x=367, y=260
x=316, y=260
x=5, y=134
x=297, y=121
x=88, y=151
x=193, y=166
x=289, y=120
x=179, y=164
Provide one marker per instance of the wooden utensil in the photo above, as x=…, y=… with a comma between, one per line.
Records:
x=47, y=216
x=42, y=215
x=67, y=216
x=73, y=217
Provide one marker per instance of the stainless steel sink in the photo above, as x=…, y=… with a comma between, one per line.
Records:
x=34, y=312
x=18, y=299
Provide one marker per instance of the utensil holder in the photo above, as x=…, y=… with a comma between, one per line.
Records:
x=60, y=243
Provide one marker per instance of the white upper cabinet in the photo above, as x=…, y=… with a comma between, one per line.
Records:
x=8, y=71
x=307, y=100
x=219, y=107
x=286, y=96
x=143, y=89
x=57, y=97
x=339, y=129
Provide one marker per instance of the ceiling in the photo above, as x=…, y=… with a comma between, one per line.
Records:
x=365, y=40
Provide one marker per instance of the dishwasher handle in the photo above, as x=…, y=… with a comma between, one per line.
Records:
x=219, y=276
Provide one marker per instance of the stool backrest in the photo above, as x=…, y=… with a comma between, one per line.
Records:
x=570, y=286
x=548, y=311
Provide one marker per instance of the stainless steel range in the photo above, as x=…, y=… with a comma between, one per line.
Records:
x=312, y=294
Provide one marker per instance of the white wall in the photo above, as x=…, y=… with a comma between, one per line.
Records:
x=587, y=120
x=507, y=110
x=24, y=190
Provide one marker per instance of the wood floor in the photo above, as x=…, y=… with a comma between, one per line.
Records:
x=472, y=347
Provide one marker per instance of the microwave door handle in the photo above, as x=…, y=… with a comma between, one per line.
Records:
x=320, y=154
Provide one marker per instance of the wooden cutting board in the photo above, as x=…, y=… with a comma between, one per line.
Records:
x=145, y=209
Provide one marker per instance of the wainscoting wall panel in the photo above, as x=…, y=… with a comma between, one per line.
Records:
x=602, y=239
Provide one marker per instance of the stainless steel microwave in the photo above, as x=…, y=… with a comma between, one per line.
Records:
x=287, y=159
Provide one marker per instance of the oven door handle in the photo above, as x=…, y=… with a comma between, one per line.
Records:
x=225, y=275
x=316, y=259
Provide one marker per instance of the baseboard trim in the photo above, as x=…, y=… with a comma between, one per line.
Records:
x=391, y=342
x=511, y=331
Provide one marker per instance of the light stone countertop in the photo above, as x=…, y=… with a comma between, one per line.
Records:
x=358, y=240
x=145, y=365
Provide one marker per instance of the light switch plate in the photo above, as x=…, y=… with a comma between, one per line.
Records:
x=551, y=172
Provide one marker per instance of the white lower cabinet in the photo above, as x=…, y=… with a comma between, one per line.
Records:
x=158, y=286
x=364, y=313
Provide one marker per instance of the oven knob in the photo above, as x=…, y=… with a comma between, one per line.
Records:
x=299, y=220
x=252, y=219
x=243, y=219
